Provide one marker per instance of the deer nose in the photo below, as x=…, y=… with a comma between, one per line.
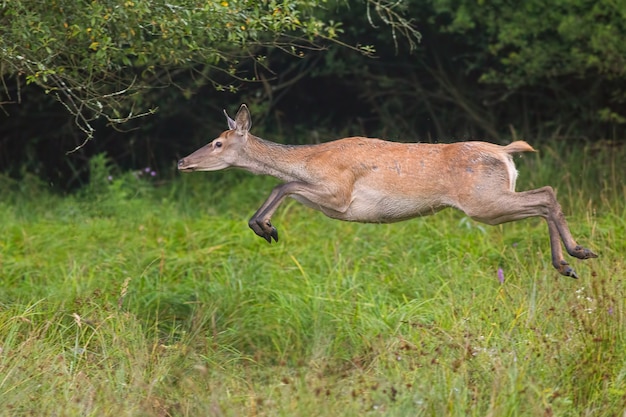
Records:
x=181, y=163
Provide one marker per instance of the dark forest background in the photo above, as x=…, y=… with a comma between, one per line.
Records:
x=75, y=76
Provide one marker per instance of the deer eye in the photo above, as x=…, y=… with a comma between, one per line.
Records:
x=218, y=144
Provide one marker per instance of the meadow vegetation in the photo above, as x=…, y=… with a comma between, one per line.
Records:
x=141, y=296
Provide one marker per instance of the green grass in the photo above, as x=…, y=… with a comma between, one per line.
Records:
x=134, y=300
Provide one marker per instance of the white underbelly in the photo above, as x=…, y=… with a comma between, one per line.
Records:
x=372, y=206
x=389, y=209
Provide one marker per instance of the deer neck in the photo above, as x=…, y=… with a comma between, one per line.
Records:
x=260, y=156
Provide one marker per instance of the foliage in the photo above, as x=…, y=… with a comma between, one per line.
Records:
x=168, y=305
x=483, y=70
x=543, y=40
x=98, y=57
x=544, y=43
x=105, y=58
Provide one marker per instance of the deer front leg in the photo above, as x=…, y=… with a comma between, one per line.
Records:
x=261, y=223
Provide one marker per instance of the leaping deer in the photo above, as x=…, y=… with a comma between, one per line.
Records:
x=375, y=181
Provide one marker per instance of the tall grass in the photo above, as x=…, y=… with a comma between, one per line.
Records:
x=131, y=299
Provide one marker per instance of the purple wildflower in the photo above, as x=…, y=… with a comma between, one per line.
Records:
x=501, y=275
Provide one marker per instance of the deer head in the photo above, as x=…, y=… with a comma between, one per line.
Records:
x=223, y=151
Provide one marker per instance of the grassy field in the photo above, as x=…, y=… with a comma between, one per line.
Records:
x=137, y=299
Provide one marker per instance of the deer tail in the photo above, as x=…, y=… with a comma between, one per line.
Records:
x=518, y=146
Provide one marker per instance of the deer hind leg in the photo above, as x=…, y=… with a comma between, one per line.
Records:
x=510, y=206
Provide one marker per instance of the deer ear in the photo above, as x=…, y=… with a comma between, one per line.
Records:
x=231, y=123
x=243, y=122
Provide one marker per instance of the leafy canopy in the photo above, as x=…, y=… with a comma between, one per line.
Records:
x=534, y=43
x=97, y=57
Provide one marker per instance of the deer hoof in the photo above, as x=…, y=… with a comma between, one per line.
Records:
x=583, y=253
x=264, y=229
x=568, y=271
x=274, y=234
x=270, y=232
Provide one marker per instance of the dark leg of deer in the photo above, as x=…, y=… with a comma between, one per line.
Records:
x=571, y=246
x=557, y=253
x=260, y=222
